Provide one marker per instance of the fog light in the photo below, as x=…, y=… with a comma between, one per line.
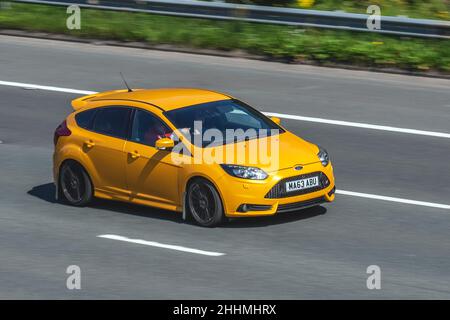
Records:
x=332, y=191
x=253, y=207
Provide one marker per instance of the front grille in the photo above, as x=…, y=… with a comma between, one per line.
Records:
x=299, y=205
x=279, y=190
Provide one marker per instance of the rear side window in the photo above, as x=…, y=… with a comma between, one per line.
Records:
x=84, y=119
x=112, y=121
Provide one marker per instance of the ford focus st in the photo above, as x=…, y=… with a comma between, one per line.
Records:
x=199, y=152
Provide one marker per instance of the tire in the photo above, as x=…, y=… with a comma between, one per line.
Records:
x=75, y=184
x=204, y=204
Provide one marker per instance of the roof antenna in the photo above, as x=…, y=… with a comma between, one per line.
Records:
x=126, y=84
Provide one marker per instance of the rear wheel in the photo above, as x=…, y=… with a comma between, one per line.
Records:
x=76, y=187
x=204, y=203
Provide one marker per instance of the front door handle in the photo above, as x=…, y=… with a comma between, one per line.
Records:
x=134, y=155
x=89, y=143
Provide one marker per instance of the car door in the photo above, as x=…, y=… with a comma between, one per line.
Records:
x=105, y=149
x=152, y=176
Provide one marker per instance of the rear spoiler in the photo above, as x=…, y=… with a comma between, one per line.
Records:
x=83, y=101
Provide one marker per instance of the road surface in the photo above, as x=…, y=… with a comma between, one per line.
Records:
x=318, y=253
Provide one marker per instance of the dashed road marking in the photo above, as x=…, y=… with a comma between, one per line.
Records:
x=161, y=245
x=46, y=88
x=360, y=125
x=393, y=199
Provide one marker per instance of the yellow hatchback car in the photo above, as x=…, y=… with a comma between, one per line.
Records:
x=199, y=152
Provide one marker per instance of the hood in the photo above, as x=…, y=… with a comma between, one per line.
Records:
x=279, y=152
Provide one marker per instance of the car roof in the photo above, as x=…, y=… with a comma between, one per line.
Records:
x=164, y=98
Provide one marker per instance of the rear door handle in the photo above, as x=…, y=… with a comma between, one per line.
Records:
x=89, y=143
x=134, y=155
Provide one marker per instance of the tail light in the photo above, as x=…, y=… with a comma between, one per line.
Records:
x=61, y=131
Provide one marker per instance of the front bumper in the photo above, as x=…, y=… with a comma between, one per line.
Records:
x=247, y=198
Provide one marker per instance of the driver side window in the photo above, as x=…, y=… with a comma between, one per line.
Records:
x=148, y=128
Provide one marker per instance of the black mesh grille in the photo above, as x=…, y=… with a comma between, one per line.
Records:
x=279, y=190
x=298, y=205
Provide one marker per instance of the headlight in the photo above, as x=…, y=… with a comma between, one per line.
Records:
x=323, y=156
x=244, y=172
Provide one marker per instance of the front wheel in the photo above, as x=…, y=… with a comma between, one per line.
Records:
x=204, y=203
x=76, y=187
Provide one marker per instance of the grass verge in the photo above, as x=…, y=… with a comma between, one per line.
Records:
x=429, y=9
x=276, y=42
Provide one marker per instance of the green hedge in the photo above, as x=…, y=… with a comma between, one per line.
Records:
x=432, y=9
x=278, y=42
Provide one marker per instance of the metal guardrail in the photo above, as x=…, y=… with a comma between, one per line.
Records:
x=286, y=16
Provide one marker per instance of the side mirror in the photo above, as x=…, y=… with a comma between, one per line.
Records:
x=276, y=120
x=164, y=144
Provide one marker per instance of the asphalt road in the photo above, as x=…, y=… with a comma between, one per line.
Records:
x=317, y=253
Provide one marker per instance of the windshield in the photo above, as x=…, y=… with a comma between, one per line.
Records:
x=220, y=122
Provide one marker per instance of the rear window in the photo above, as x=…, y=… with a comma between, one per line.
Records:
x=84, y=119
x=112, y=121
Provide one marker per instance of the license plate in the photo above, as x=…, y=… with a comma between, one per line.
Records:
x=302, y=184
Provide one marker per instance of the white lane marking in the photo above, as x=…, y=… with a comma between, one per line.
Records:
x=47, y=88
x=161, y=245
x=273, y=114
x=360, y=125
x=392, y=199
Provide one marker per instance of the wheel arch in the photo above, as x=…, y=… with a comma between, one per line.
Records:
x=78, y=163
x=71, y=152
x=210, y=180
